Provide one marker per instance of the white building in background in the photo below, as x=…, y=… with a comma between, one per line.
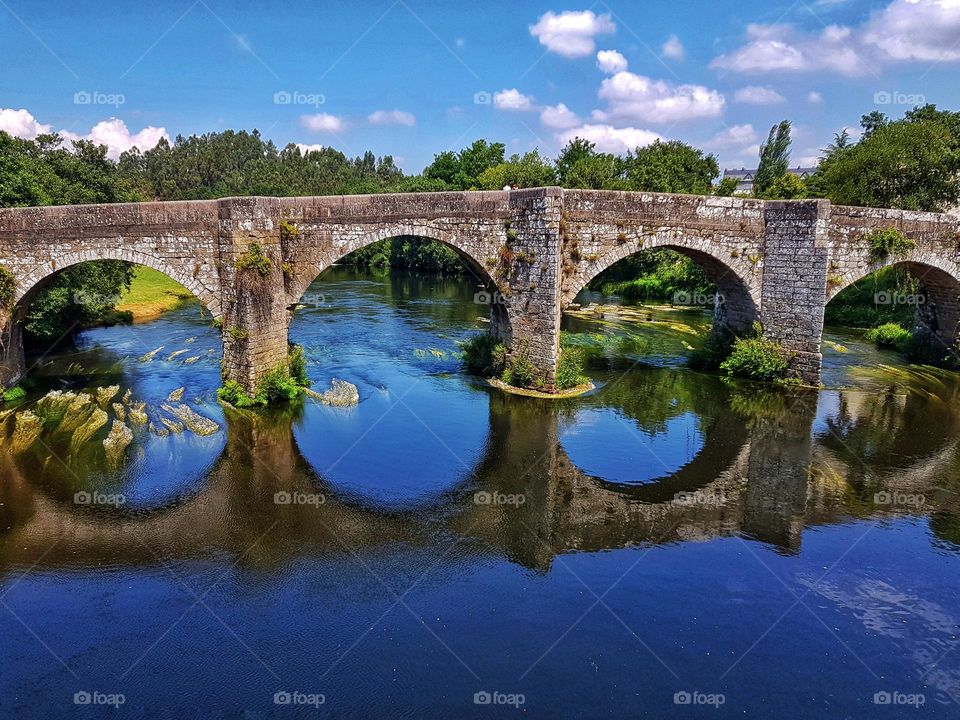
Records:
x=744, y=177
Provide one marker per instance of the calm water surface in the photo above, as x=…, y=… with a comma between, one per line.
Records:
x=670, y=541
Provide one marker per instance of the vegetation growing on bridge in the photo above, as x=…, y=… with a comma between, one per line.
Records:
x=886, y=243
x=756, y=358
x=486, y=356
x=283, y=384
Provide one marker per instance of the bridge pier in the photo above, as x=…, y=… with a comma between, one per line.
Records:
x=12, y=364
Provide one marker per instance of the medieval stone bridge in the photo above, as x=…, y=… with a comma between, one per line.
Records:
x=778, y=262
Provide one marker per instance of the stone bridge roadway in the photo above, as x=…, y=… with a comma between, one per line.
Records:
x=778, y=262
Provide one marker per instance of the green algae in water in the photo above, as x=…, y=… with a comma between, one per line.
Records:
x=26, y=431
x=98, y=418
x=197, y=423
x=176, y=395
x=115, y=444
x=106, y=394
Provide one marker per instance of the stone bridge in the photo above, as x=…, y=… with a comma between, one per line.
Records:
x=777, y=262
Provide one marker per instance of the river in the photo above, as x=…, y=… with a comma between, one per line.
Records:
x=673, y=543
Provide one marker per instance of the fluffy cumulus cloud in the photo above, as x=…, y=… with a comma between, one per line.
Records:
x=636, y=97
x=307, y=147
x=903, y=30
x=571, y=33
x=558, y=117
x=737, y=136
x=673, y=48
x=322, y=122
x=392, y=117
x=113, y=132
x=512, y=99
x=610, y=61
x=608, y=138
x=756, y=95
x=814, y=97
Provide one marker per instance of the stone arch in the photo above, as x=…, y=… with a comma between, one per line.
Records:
x=500, y=323
x=39, y=275
x=938, y=314
x=736, y=279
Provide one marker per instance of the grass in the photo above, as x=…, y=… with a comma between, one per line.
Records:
x=152, y=293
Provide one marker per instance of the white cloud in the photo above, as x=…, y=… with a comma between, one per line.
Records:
x=306, y=147
x=558, y=117
x=322, y=122
x=756, y=95
x=814, y=97
x=736, y=136
x=21, y=124
x=673, y=48
x=610, y=61
x=392, y=117
x=904, y=30
x=636, y=97
x=112, y=132
x=571, y=33
x=608, y=138
x=512, y=99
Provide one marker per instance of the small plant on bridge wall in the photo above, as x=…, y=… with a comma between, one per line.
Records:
x=254, y=259
x=288, y=231
x=512, y=236
x=238, y=333
x=8, y=285
x=887, y=242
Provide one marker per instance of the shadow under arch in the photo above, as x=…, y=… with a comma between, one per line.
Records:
x=740, y=297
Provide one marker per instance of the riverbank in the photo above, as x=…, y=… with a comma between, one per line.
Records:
x=151, y=294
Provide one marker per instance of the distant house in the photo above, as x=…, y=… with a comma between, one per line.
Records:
x=744, y=177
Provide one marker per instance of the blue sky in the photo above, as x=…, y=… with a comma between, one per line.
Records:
x=413, y=77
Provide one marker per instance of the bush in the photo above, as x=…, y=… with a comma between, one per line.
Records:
x=484, y=355
x=277, y=386
x=520, y=371
x=7, y=286
x=890, y=335
x=756, y=358
x=887, y=242
x=13, y=394
x=232, y=392
x=254, y=259
x=570, y=368
x=297, y=362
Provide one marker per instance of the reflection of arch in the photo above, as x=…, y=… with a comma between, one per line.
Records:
x=939, y=315
x=729, y=274
x=500, y=320
x=40, y=275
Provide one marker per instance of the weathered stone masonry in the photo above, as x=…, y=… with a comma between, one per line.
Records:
x=531, y=252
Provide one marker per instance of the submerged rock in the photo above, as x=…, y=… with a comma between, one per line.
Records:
x=26, y=430
x=76, y=413
x=98, y=418
x=120, y=411
x=172, y=425
x=340, y=394
x=197, y=423
x=116, y=442
x=150, y=355
x=176, y=395
x=175, y=354
x=106, y=394
x=138, y=416
x=161, y=432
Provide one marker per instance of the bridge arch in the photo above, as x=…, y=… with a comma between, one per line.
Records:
x=736, y=278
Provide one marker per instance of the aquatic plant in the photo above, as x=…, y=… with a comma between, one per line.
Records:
x=172, y=425
x=119, y=410
x=138, y=415
x=77, y=413
x=26, y=430
x=177, y=353
x=340, y=394
x=13, y=394
x=520, y=370
x=570, y=368
x=483, y=354
x=148, y=357
x=176, y=395
x=297, y=363
x=115, y=443
x=86, y=430
x=191, y=360
x=158, y=431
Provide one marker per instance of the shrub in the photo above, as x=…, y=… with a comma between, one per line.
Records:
x=232, y=392
x=886, y=242
x=13, y=394
x=756, y=358
x=7, y=285
x=288, y=231
x=277, y=386
x=890, y=335
x=297, y=362
x=570, y=368
x=484, y=355
x=254, y=259
x=238, y=333
x=520, y=371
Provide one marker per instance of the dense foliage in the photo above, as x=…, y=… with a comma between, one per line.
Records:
x=756, y=358
x=774, y=158
x=654, y=275
x=412, y=253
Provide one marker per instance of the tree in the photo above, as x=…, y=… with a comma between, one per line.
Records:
x=530, y=170
x=672, y=167
x=774, y=158
x=726, y=187
x=787, y=187
x=461, y=171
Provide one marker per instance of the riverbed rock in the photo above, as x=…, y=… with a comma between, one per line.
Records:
x=26, y=431
x=116, y=443
x=197, y=423
x=106, y=394
x=176, y=395
x=340, y=394
x=98, y=418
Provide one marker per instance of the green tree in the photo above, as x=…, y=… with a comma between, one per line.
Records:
x=461, y=171
x=672, y=167
x=774, y=158
x=530, y=170
x=787, y=187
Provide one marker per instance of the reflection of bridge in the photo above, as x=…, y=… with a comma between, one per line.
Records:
x=747, y=480
x=777, y=262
